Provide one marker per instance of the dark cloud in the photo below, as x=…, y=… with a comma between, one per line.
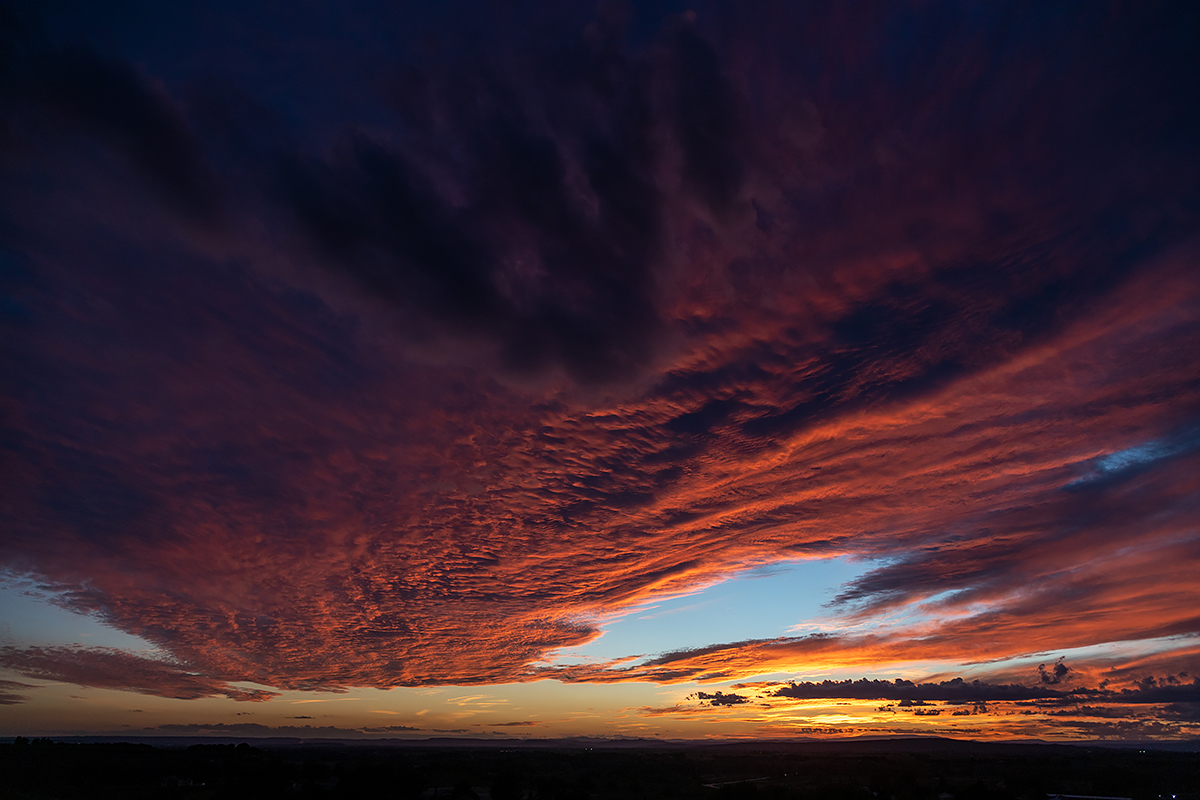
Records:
x=1186, y=711
x=574, y=293
x=255, y=729
x=721, y=698
x=1054, y=675
x=9, y=692
x=1129, y=729
x=909, y=693
x=533, y=220
x=392, y=729
x=706, y=121
x=957, y=690
x=106, y=98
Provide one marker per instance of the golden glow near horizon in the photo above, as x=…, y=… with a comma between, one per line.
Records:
x=547, y=708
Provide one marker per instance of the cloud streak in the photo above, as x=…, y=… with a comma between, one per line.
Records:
x=9, y=692
x=105, y=668
x=958, y=690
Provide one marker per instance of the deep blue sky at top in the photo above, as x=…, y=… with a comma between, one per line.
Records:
x=320, y=65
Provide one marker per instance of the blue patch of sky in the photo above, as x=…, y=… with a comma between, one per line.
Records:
x=1129, y=461
x=29, y=617
x=757, y=604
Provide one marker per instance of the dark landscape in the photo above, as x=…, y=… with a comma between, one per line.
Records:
x=893, y=769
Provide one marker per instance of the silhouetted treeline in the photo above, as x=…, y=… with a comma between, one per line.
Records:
x=44, y=769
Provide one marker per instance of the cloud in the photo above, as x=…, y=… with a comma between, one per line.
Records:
x=1186, y=711
x=1054, y=676
x=909, y=693
x=1135, y=729
x=957, y=690
x=1009, y=709
x=9, y=692
x=721, y=698
x=705, y=118
x=254, y=729
x=676, y=710
x=392, y=729
x=540, y=226
x=109, y=100
x=423, y=385
x=106, y=668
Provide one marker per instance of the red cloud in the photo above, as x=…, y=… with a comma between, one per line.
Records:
x=455, y=398
x=105, y=668
x=463, y=540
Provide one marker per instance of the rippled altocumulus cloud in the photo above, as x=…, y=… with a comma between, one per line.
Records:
x=411, y=390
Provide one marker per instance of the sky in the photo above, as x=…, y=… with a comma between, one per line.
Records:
x=678, y=370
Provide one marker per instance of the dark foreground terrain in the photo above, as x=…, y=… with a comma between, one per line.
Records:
x=899, y=769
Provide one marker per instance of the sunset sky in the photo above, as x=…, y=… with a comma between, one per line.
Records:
x=541, y=369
